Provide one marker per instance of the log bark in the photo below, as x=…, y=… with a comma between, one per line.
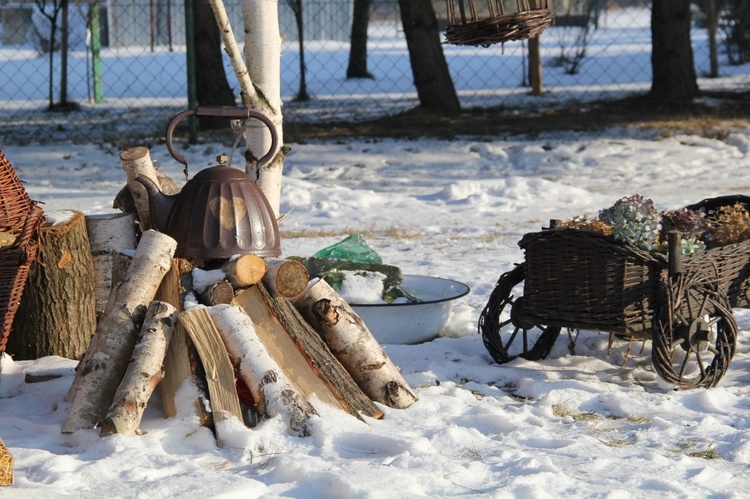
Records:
x=354, y=345
x=286, y=278
x=270, y=388
x=57, y=313
x=101, y=370
x=222, y=390
x=244, y=270
x=302, y=353
x=144, y=372
x=108, y=236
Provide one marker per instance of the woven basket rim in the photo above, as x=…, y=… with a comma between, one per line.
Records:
x=499, y=29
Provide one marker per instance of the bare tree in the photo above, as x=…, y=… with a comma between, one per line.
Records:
x=435, y=87
x=49, y=45
x=296, y=6
x=358, y=40
x=674, y=76
x=211, y=84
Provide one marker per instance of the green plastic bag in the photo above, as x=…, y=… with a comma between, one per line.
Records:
x=353, y=248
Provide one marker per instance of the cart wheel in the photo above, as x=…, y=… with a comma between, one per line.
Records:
x=507, y=337
x=695, y=335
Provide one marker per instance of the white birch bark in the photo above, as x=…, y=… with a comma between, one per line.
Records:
x=270, y=388
x=352, y=343
x=263, y=60
x=108, y=235
x=144, y=372
x=137, y=162
x=103, y=365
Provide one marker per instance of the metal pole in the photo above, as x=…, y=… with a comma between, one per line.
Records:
x=96, y=59
x=191, y=81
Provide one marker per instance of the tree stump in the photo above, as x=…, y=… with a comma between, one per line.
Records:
x=57, y=312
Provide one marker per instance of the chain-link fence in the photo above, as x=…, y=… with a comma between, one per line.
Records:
x=126, y=63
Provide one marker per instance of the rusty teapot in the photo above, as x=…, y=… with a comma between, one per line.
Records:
x=220, y=212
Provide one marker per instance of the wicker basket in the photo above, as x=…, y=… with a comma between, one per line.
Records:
x=496, y=24
x=20, y=217
x=584, y=280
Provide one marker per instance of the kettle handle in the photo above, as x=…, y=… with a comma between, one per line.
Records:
x=225, y=112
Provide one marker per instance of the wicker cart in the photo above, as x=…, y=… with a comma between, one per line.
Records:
x=582, y=280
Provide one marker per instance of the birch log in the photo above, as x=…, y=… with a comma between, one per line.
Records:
x=354, y=345
x=144, y=372
x=100, y=371
x=287, y=278
x=244, y=270
x=269, y=386
x=136, y=162
x=220, y=292
x=108, y=235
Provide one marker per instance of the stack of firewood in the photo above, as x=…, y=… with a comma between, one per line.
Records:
x=248, y=322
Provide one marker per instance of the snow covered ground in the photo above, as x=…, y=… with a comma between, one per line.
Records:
x=581, y=423
x=578, y=424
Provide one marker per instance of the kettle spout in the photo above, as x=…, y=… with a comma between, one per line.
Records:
x=160, y=204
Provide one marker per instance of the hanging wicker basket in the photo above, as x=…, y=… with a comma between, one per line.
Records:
x=20, y=221
x=496, y=23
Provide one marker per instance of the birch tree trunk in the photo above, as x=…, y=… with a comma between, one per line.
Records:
x=263, y=56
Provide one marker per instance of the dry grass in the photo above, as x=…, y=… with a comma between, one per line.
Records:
x=562, y=411
x=369, y=233
x=690, y=448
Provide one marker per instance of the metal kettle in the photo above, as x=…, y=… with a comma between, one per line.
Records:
x=220, y=212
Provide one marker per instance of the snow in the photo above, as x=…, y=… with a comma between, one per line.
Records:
x=362, y=287
x=581, y=423
x=576, y=424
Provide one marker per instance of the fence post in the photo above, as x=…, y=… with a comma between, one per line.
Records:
x=96, y=59
x=535, y=66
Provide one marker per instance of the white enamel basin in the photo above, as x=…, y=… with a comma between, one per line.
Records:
x=410, y=323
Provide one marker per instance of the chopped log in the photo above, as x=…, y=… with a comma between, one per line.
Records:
x=101, y=370
x=354, y=345
x=218, y=293
x=6, y=465
x=108, y=236
x=244, y=270
x=144, y=372
x=303, y=355
x=270, y=388
x=222, y=390
x=283, y=350
x=136, y=162
x=176, y=283
x=181, y=361
x=286, y=278
x=57, y=314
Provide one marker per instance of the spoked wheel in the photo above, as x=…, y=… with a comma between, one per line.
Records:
x=695, y=335
x=504, y=332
